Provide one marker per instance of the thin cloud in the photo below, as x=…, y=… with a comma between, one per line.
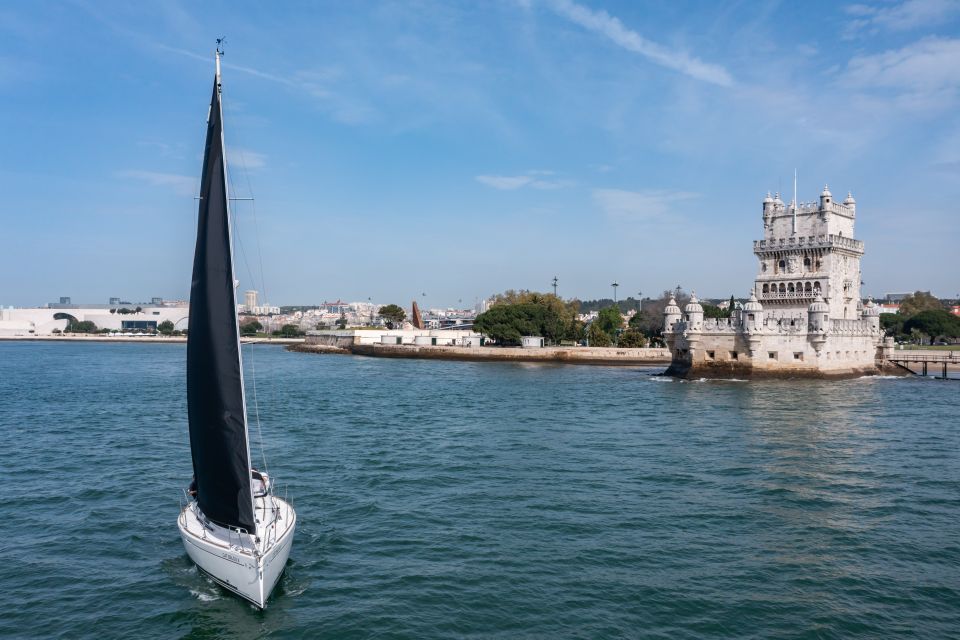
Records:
x=530, y=179
x=931, y=65
x=250, y=159
x=181, y=185
x=609, y=26
x=906, y=15
x=639, y=206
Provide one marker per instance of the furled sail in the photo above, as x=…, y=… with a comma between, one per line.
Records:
x=218, y=421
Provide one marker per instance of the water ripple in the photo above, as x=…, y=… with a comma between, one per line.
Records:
x=452, y=500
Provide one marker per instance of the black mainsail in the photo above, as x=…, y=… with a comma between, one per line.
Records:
x=217, y=410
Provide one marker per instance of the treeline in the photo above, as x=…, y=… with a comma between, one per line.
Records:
x=921, y=318
x=514, y=314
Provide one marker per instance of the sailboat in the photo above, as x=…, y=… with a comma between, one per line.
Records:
x=233, y=527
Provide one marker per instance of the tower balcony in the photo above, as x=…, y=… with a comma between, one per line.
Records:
x=808, y=242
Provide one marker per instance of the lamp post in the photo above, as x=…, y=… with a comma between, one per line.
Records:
x=554, y=286
x=615, y=285
x=639, y=301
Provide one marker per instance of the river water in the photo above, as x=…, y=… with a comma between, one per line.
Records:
x=487, y=500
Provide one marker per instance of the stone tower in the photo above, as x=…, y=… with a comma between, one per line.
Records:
x=808, y=250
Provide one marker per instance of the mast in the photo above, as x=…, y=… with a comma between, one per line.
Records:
x=216, y=401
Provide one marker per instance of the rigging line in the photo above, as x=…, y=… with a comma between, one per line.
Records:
x=263, y=280
x=250, y=347
x=256, y=226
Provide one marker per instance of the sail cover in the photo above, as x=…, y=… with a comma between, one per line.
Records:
x=218, y=424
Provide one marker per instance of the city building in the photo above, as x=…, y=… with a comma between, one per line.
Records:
x=118, y=316
x=804, y=317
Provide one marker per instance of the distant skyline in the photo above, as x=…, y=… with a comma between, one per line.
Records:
x=461, y=149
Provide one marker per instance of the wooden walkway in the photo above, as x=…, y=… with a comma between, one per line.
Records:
x=909, y=359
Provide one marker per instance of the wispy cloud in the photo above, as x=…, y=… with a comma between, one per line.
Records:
x=534, y=178
x=903, y=16
x=610, y=27
x=929, y=66
x=181, y=185
x=639, y=206
x=250, y=159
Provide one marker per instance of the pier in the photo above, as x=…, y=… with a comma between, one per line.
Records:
x=907, y=360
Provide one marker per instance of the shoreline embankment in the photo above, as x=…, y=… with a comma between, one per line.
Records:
x=147, y=339
x=609, y=356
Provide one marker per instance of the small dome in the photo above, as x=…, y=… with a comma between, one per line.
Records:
x=818, y=306
x=694, y=305
x=826, y=191
x=777, y=199
x=671, y=309
x=871, y=310
x=753, y=304
x=768, y=198
x=849, y=199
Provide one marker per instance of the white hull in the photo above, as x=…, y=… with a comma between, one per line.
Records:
x=248, y=565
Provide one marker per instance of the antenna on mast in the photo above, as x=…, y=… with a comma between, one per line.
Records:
x=220, y=42
x=795, y=200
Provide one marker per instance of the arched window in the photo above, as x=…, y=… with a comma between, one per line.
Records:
x=806, y=287
x=766, y=288
x=806, y=264
x=790, y=288
x=783, y=288
x=799, y=287
x=816, y=286
x=782, y=264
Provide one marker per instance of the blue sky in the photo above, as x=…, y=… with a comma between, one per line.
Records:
x=460, y=149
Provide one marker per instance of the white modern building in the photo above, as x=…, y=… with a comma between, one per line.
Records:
x=804, y=316
x=118, y=316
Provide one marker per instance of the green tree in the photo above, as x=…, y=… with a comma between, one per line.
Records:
x=556, y=319
x=892, y=323
x=83, y=326
x=711, y=311
x=597, y=337
x=342, y=320
x=506, y=323
x=610, y=320
x=935, y=323
x=165, y=327
x=392, y=314
x=919, y=301
x=631, y=338
x=290, y=331
x=251, y=328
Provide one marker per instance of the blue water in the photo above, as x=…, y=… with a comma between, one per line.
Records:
x=452, y=500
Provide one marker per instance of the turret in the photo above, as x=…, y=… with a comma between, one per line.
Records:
x=825, y=198
x=767, y=207
x=850, y=203
x=693, y=313
x=818, y=314
x=871, y=314
x=752, y=313
x=671, y=315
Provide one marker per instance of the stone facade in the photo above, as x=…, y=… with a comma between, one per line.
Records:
x=804, y=317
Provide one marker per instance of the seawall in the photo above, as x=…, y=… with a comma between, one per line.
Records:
x=610, y=356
